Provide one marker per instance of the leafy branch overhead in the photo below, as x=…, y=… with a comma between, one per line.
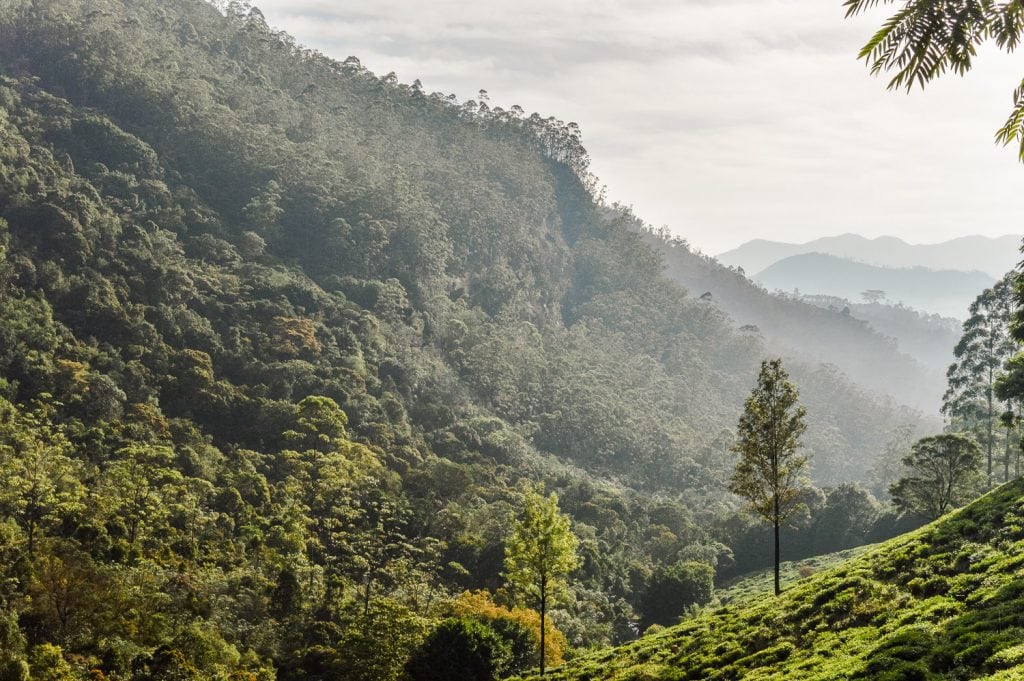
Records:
x=926, y=38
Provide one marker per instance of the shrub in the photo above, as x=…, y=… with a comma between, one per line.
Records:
x=480, y=605
x=48, y=664
x=460, y=649
x=1005, y=658
x=886, y=668
x=674, y=588
x=910, y=644
x=14, y=670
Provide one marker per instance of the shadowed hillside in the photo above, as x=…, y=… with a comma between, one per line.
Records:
x=793, y=327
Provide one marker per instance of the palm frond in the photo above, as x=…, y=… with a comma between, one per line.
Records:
x=1013, y=129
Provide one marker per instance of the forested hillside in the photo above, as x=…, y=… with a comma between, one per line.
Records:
x=282, y=342
x=794, y=327
x=928, y=338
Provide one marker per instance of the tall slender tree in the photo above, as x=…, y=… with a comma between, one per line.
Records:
x=923, y=40
x=770, y=469
x=970, y=401
x=539, y=555
x=40, y=484
x=1010, y=421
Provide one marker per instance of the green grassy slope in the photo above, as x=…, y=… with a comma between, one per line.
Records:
x=945, y=601
x=759, y=583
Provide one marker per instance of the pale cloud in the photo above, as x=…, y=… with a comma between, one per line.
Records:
x=725, y=120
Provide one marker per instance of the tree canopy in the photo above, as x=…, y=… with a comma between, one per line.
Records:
x=943, y=474
x=770, y=471
x=539, y=556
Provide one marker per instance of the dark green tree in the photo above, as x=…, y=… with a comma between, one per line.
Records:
x=770, y=469
x=460, y=649
x=943, y=474
x=674, y=588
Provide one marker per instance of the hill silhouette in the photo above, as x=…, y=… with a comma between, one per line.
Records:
x=945, y=292
x=992, y=255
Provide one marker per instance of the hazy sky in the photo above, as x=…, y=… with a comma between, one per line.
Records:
x=725, y=120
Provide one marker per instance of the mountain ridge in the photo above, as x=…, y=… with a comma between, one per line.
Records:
x=992, y=255
x=945, y=292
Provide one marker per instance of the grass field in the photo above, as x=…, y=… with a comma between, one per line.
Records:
x=760, y=583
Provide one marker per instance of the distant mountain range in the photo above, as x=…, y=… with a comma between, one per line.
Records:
x=947, y=292
x=993, y=255
x=889, y=358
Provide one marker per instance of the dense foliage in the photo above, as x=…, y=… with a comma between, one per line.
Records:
x=279, y=340
x=943, y=474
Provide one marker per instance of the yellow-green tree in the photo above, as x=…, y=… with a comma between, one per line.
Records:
x=540, y=555
x=39, y=482
x=770, y=470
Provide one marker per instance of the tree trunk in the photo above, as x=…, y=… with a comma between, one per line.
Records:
x=991, y=418
x=1006, y=459
x=778, y=587
x=543, y=613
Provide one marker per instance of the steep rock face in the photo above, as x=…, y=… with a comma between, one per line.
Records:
x=942, y=602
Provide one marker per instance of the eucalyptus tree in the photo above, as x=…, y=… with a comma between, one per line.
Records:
x=1010, y=387
x=1010, y=421
x=986, y=345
